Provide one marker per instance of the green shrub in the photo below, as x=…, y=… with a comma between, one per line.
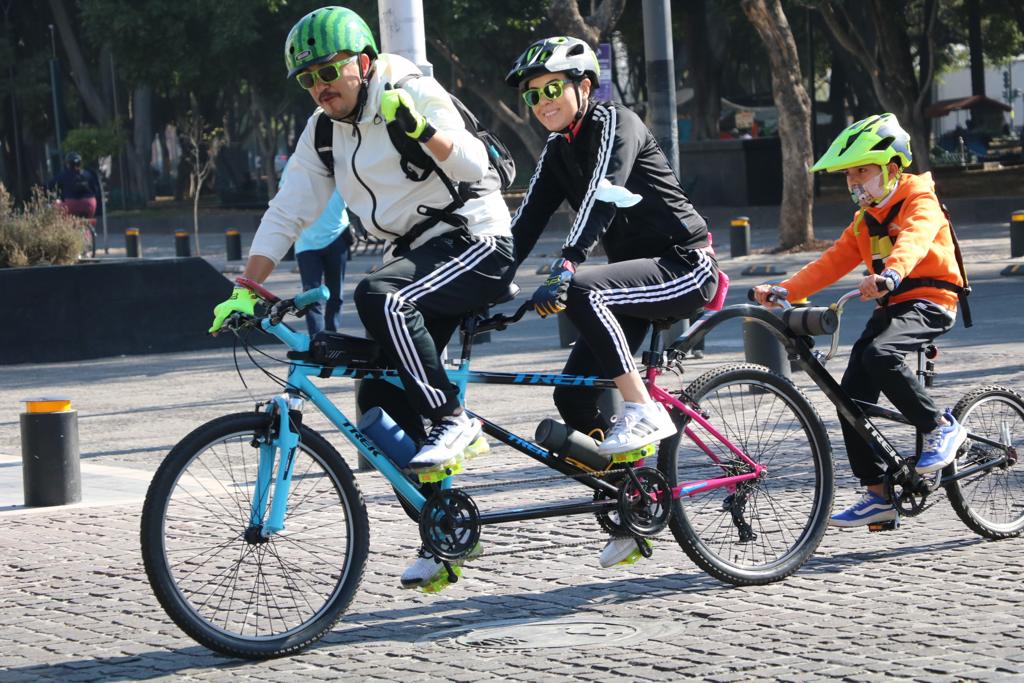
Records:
x=38, y=233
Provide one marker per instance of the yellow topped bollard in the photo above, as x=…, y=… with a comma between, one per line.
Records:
x=739, y=236
x=51, y=471
x=1017, y=234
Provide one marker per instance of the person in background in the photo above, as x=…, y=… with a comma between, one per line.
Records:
x=76, y=187
x=322, y=253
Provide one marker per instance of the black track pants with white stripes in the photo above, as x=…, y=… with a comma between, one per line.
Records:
x=612, y=306
x=412, y=304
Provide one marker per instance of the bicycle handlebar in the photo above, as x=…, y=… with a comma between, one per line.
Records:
x=279, y=307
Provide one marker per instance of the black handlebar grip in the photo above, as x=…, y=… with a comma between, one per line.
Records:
x=750, y=295
x=811, y=321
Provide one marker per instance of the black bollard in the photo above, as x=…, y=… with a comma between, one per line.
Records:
x=739, y=236
x=1017, y=234
x=132, y=243
x=51, y=472
x=234, y=245
x=181, y=243
x=760, y=346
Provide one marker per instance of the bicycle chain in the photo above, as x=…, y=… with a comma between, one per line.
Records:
x=521, y=482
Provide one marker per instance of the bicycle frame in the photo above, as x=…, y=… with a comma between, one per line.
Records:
x=299, y=384
x=857, y=413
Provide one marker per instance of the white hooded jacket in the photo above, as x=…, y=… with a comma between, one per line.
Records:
x=369, y=178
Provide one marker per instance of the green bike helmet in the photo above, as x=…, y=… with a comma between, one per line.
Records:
x=550, y=55
x=323, y=33
x=875, y=140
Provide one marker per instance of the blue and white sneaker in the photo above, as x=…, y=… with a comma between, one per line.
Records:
x=870, y=509
x=941, y=445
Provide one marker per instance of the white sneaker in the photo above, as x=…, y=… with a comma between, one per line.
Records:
x=639, y=425
x=446, y=442
x=620, y=551
x=428, y=573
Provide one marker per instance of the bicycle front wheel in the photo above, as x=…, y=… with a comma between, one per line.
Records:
x=990, y=501
x=765, y=528
x=226, y=586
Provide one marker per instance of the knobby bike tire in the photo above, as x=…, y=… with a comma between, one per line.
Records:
x=990, y=503
x=788, y=509
x=201, y=494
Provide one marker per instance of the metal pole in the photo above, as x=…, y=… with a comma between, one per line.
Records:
x=120, y=151
x=661, y=81
x=103, y=208
x=401, y=31
x=54, y=85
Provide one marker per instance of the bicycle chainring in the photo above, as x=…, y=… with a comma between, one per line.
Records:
x=450, y=524
x=645, y=502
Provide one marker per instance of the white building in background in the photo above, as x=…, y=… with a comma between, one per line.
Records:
x=958, y=84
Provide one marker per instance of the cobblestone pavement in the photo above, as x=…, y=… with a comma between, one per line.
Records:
x=931, y=601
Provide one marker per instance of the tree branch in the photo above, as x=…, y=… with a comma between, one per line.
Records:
x=79, y=70
x=565, y=14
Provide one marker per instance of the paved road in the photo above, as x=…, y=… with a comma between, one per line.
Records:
x=931, y=601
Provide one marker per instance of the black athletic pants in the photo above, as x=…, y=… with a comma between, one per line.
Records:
x=413, y=304
x=612, y=306
x=877, y=366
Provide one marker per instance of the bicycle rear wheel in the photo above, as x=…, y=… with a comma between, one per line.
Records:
x=765, y=529
x=990, y=502
x=234, y=592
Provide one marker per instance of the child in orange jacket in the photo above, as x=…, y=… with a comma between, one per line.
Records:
x=901, y=233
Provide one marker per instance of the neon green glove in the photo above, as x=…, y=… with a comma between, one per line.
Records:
x=240, y=301
x=397, y=105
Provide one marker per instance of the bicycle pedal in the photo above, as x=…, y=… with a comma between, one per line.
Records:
x=638, y=555
x=889, y=525
x=478, y=447
x=634, y=455
x=438, y=474
x=441, y=581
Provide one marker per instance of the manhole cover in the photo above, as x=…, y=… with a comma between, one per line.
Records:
x=531, y=634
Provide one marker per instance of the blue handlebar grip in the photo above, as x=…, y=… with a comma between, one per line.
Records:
x=312, y=296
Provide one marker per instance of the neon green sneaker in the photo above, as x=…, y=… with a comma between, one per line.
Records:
x=621, y=551
x=429, y=575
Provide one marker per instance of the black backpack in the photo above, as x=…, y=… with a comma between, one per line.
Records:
x=417, y=165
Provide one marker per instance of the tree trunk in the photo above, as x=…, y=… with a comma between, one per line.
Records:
x=565, y=15
x=91, y=97
x=974, y=40
x=706, y=69
x=795, y=226
x=140, y=151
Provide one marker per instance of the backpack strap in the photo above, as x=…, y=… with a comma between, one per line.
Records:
x=323, y=142
x=878, y=231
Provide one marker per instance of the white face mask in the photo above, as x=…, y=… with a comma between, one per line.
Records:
x=868, y=193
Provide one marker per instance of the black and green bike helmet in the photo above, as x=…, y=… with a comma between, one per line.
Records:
x=877, y=139
x=551, y=55
x=322, y=34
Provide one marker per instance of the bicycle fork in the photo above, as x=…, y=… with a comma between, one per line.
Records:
x=276, y=463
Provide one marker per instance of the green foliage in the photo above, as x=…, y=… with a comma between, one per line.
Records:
x=38, y=233
x=93, y=143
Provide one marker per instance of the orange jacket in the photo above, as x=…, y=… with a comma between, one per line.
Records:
x=920, y=245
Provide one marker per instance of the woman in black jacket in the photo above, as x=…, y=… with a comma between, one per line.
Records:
x=603, y=160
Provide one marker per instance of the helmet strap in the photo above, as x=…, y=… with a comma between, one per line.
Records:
x=364, y=91
x=572, y=130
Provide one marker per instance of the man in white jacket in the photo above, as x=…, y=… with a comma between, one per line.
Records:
x=438, y=203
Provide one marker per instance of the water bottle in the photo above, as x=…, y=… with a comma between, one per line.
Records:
x=577, y=448
x=388, y=436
